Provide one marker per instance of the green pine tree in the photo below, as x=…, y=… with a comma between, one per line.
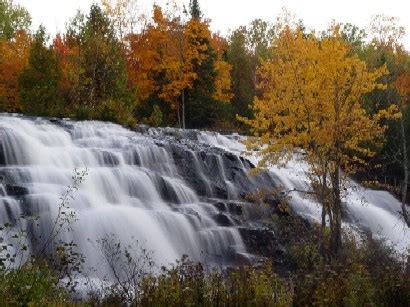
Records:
x=195, y=9
x=103, y=82
x=39, y=81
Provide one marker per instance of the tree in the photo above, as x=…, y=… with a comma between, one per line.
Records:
x=386, y=48
x=387, y=31
x=123, y=14
x=200, y=103
x=312, y=99
x=102, y=82
x=13, y=58
x=13, y=19
x=243, y=81
x=354, y=36
x=195, y=9
x=223, y=69
x=402, y=85
x=166, y=58
x=248, y=47
x=39, y=81
x=14, y=46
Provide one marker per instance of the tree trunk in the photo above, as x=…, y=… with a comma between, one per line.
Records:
x=323, y=225
x=406, y=175
x=178, y=116
x=336, y=236
x=183, y=109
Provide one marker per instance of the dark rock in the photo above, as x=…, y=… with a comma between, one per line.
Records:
x=2, y=153
x=261, y=241
x=220, y=206
x=235, y=208
x=17, y=191
x=223, y=220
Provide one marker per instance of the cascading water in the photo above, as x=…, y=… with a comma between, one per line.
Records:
x=177, y=192
x=133, y=190
x=371, y=210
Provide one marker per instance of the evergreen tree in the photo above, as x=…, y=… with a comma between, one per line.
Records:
x=201, y=107
x=39, y=81
x=243, y=81
x=195, y=9
x=103, y=82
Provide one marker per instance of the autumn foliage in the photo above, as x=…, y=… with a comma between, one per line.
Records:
x=312, y=98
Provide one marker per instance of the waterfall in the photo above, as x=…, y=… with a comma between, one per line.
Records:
x=167, y=188
x=370, y=210
x=133, y=189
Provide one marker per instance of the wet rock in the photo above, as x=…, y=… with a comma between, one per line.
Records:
x=142, y=128
x=17, y=191
x=221, y=206
x=235, y=208
x=2, y=153
x=262, y=241
x=2, y=156
x=223, y=220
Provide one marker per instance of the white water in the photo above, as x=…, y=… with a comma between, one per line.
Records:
x=377, y=211
x=121, y=195
x=129, y=175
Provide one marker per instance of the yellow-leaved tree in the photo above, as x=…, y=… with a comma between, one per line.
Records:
x=311, y=99
x=223, y=86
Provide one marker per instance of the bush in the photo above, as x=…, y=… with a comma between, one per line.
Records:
x=33, y=284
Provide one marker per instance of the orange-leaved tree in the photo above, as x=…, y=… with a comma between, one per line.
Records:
x=311, y=99
x=162, y=57
x=13, y=58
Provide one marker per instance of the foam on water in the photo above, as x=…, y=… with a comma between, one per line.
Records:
x=123, y=194
x=377, y=211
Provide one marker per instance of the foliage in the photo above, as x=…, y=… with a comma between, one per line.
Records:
x=102, y=79
x=40, y=270
x=14, y=47
x=14, y=56
x=312, y=99
x=123, y=14
x=174, y=60
x=39, y=80
x=13, y=19
x=190, y=284
x=34, y=284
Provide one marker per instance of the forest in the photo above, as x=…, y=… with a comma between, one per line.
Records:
x=340, y=95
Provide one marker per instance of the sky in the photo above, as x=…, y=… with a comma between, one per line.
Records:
x=229, y=14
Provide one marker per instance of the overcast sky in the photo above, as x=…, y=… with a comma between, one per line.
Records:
x=228, y=14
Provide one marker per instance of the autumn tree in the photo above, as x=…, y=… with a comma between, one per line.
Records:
x=13, y=58
x=172, y=60
x=14, y=48
x=223, y=81
x=312, y=99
